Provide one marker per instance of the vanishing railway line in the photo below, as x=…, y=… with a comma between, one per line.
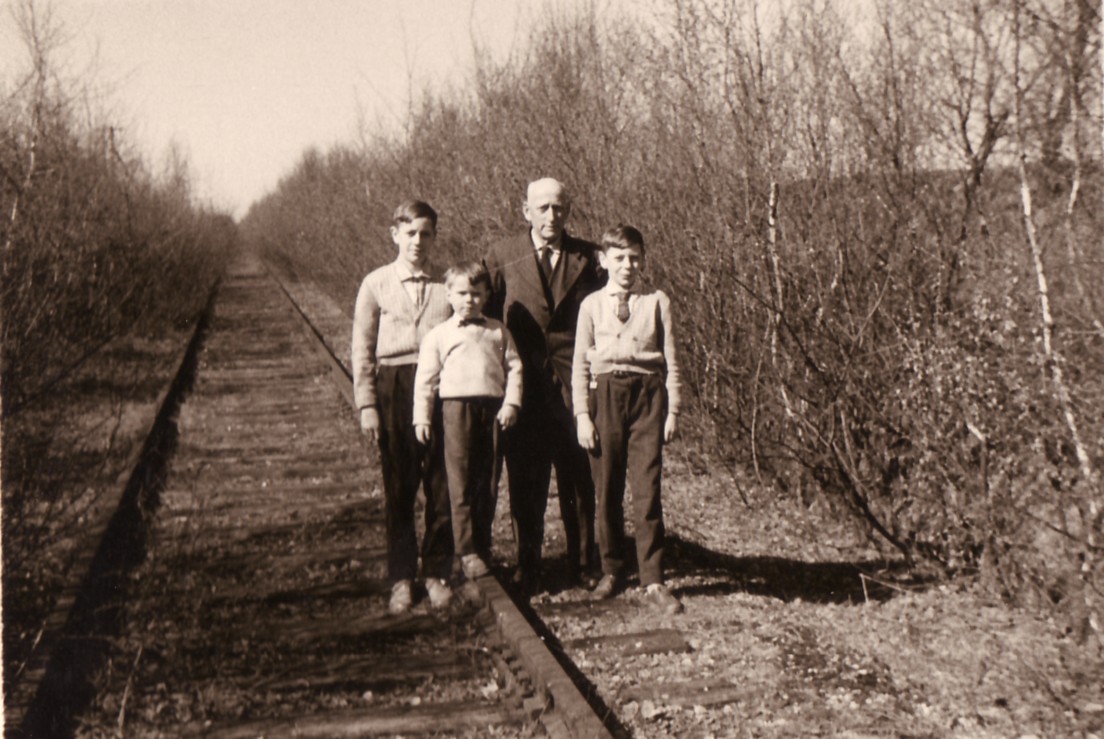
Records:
x=260, y=608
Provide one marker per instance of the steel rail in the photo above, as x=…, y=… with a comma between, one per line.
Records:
x=567, y=709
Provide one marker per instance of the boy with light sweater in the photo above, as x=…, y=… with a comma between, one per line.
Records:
x=471, y=364
x=396, y=307
x=625, y=390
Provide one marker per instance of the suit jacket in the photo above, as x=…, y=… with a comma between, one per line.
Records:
x=541, y=316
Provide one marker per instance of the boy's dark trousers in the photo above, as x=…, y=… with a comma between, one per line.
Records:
x=629, y=411
x=470, y=431
x=405, y=464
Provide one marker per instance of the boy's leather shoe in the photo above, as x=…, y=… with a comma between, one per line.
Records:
x=583, y=577
x=589, y=580
x=662, y=599
x=474, y=566
x=440, y=594
x=605, y=587
x=402, y=597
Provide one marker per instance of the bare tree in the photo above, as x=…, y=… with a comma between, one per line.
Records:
x=1054, y=361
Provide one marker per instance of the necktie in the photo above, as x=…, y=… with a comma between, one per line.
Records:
x=419, y=289
x=546, y=261
x=622, y=307
x=474, y=320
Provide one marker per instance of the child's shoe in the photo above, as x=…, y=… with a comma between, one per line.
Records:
x=474, y=566
x=663, y=599
x=440, y=594
x=402, y=597
x=605, y=587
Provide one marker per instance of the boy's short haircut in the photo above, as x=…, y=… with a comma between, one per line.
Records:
x=476, y=273
x=410, y=210
x=622, y=236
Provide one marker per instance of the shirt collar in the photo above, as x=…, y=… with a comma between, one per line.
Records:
x=556, y=247
x=405, y=273
x=613, y=289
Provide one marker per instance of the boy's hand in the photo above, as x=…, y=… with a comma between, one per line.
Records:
x=507, y=416
x=670, y=429
x=588, y=435
x=422, y=432
x=370, y=423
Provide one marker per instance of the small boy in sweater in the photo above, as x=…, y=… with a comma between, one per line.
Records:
x=470, y=363
x=625, y=388
x=396, y=307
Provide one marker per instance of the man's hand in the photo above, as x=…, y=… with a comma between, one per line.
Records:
x=422, y=432
x=670, y=429
x=370, y=423
x=588, y=435
x=507, y=416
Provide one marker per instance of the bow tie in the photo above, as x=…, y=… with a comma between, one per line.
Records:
x=475, y=320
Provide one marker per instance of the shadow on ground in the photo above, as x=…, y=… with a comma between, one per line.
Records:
x=718, y=573
x=789, y=579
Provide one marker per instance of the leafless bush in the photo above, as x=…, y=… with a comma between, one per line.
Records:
x=836, y=216
x=94, y=245
x=96, y=248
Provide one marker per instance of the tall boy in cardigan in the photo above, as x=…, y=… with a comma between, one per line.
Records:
x=396, y=307
x=625, y=387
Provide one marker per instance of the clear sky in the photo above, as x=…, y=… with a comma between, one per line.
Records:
x=242, y=87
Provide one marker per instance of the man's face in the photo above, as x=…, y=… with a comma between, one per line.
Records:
x=414, y=239
x=546, y=209
x=623, y=265
x=465, y=298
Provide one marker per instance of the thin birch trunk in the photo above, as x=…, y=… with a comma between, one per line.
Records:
x=1053, y=359
x=772, y=254
x=1075, y=191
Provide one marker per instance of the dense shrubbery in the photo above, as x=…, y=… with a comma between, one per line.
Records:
x=95, y=245
x=101, y=259
x=838, y=219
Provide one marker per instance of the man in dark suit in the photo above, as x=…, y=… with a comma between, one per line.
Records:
x=539, y=278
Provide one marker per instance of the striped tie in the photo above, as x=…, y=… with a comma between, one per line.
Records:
x=622, y=307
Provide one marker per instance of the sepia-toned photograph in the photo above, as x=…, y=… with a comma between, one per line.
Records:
x=552, y=368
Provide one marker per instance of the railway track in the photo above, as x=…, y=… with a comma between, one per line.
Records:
x=239, y=590
x=260, y=608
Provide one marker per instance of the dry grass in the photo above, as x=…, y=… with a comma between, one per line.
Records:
x=63, y=459
x=814, y=650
